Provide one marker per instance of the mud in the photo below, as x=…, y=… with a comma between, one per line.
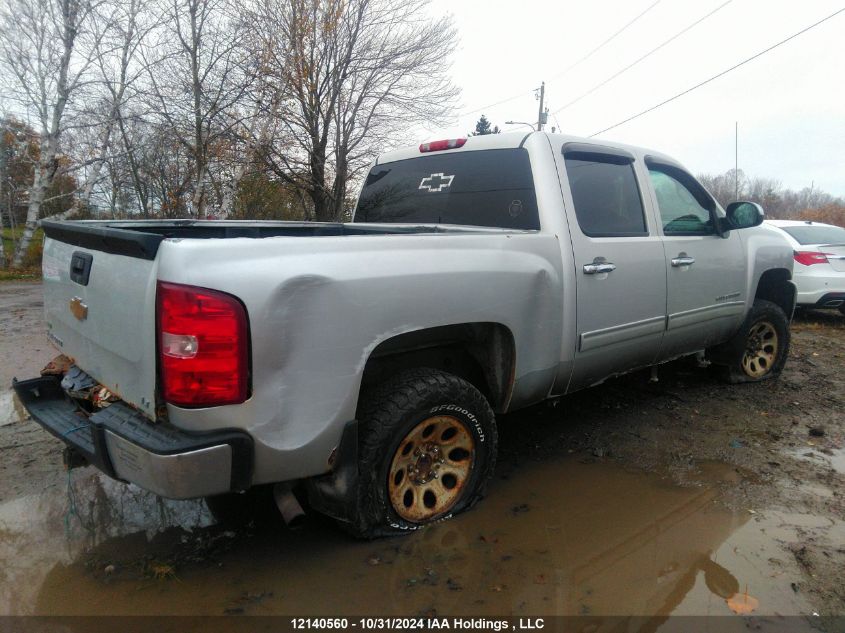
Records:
x=632, y=498
x=562, y=537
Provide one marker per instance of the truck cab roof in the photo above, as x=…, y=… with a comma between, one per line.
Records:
x=510, y=140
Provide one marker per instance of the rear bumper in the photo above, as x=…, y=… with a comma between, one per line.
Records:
x=821, y=299
x=125, y=445
x=829, y=300
x=816, y=289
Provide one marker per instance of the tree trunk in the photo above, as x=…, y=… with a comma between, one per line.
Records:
x=141, y=189
x=96, y=168
x=230, y=190
x=340, y=180
x=2, y=180
x=199, y=193
x=322, y=206
x=323, y=211
x=44, y=172
x=2, y=247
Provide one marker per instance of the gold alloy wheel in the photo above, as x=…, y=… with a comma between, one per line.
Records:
x=761, y=349
x=430, y=468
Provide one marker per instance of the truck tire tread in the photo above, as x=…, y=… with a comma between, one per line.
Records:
x=381, y=414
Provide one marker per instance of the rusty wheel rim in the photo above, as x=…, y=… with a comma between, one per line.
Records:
x=761, y=349
x=430, y=468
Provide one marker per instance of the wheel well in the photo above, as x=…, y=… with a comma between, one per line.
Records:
x=775, y=286
x=480, y=353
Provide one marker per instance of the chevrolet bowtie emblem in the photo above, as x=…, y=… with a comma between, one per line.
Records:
x=78, y=309
x=436, y=182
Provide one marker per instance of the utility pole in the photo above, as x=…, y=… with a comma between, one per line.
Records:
x=541, y=115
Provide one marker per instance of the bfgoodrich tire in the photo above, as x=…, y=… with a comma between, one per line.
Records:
x=758, y=351
x=427, y=447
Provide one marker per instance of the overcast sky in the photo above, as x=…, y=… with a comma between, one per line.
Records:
x=789, y=103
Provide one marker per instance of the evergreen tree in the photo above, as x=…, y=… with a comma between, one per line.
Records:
x=483, y=127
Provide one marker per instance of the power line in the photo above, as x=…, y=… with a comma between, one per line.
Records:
x=648, y=54
x=607, y=41
x=721, y=74
x=493, y=105
x=562, y=73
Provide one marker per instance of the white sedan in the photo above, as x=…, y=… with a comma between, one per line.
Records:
x=819, y=252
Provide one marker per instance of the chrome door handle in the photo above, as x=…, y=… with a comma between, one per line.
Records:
x=596, y=268
x=683, y=261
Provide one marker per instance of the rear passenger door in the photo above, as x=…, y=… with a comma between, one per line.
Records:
x=705, y=272
x=620, y=273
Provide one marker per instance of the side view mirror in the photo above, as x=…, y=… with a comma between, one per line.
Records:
x=744, y=215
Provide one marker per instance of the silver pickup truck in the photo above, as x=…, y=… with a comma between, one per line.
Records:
x=364, y=363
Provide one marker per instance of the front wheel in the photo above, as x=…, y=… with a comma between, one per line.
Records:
x=427, y=447
x=759, y=349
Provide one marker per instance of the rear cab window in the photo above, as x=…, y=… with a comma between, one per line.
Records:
x=489, y=188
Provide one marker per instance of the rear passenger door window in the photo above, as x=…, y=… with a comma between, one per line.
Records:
x=606, y=195
x=685, y=208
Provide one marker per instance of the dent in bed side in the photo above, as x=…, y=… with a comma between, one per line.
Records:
x=310, y=332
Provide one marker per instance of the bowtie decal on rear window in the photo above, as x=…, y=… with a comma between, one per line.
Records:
x=436, y=182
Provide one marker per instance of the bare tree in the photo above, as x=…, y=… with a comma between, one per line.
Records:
x=397, y=74
x=48, y=48
x=725, y=187
x=122, y=26
x=768, y=192
x=253, y=133
x=197, y=79
x=350, y=76
x=164, y=107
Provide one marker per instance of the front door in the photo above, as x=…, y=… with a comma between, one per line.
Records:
x=620, y=276
x=705, y=272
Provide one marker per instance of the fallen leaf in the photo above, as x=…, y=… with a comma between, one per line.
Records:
x=741, y=603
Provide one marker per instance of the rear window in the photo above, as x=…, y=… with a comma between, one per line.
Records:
x=491, y=188
x=816, y=234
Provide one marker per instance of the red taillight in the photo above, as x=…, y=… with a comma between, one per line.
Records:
x=808, y=258
x=437, y=146
x=202, y=338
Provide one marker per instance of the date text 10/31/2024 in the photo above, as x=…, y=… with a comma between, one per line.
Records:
x=416, y=624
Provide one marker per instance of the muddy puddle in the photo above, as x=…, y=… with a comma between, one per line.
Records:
x=560, y=537
x=833, y=459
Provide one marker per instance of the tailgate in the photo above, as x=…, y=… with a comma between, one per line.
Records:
x=99, y=301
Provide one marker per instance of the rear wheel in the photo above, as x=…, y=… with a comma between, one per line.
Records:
x=760, y=348
x=427, y=447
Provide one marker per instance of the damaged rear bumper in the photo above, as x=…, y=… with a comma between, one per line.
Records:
x=125, y=445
